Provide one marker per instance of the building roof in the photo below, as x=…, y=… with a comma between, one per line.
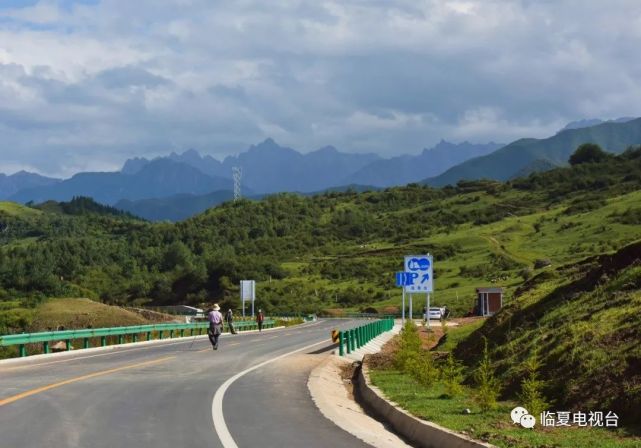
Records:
x=489, y=290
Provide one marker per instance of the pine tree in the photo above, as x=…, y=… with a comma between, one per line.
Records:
x=531, y=395
x=489, y=387
x=452, y=376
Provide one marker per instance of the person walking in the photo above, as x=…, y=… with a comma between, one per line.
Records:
x=260, y=317
x=215, y=325
x=229, y=319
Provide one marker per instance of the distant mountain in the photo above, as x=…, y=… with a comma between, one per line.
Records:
x=556, y=150
x=174, y=208
x=132, y=166
x=269, y=167
x=431, y=162
x=593, y=122
x=9, y=185
x=158, y=178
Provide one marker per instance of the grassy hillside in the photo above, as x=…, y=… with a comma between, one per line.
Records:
x=506, y=162
x=14, y=209
x=81, y=313
x=583, y=322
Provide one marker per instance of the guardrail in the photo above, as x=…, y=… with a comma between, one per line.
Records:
x=354, y=338
x=171, y=330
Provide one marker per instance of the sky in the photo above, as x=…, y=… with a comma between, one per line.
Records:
x=86, y=84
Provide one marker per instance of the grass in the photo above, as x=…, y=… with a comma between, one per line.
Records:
x=560, y=237
x=14, y=209
x=81, y=313
x=494, y=426
x=457, y=334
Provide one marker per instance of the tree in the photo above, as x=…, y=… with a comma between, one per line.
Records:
x=452, y=376
x=588, y=153
x=489, y=387
x=531, y=396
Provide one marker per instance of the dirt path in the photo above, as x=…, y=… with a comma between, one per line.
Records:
x=496, y=245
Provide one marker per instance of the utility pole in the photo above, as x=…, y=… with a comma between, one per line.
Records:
x=237, y=174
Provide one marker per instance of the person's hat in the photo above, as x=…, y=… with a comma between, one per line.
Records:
x=216, y=307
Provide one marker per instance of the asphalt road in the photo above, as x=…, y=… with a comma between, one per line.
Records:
x=171, y=395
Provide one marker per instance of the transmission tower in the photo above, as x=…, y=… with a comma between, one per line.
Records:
x=237, y=173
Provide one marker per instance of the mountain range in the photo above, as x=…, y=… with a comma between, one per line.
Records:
x=430, y=162
x=526, y=154
x=158, y=178
x=9, y=185
x=177, y=186
x=593, y=122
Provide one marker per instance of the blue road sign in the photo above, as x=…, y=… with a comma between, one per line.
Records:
x=405, y=278
x=418, y=274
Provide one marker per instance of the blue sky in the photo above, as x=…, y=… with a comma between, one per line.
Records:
x=86, y=84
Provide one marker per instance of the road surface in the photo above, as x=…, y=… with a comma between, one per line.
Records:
x=171, y=395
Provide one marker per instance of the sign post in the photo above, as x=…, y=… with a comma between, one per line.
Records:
x=417, y=276
x=403, y=310
x=248, y=292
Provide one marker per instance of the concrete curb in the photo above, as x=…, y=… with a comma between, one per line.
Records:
x=115, y=347
x=332, y=399
x=420, y=433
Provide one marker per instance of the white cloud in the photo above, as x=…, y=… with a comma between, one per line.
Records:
x=88, y=85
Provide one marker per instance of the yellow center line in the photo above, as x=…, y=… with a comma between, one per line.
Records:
x=209, y=349
x=79, y=378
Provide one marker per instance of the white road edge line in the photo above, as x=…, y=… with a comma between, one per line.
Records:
x=217, y=403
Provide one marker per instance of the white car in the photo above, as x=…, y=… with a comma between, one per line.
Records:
x=435, y=313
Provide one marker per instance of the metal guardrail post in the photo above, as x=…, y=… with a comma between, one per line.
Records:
x=85, y=343
x=103, y=341
x=149, y=335
x=134, y=338
x=23, y=350
x=45, y=347
x=348, y=342
x=68, y=344
x=341, y=348
x=160, y=334
x=120, y=339
x=182, y=332
x=353, y=339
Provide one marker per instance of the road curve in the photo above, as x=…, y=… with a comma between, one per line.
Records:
x=162, y=395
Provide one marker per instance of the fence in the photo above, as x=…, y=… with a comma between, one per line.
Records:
x=354, y=338
x=171, y=330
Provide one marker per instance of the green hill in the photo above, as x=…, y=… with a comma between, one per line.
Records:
x=14, y=209
x=583, y=320
x=510, y=160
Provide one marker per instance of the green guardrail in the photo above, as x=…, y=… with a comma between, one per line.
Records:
x=171, y=330
x=350, y=340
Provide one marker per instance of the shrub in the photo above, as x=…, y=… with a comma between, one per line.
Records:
x=526, y=273
x=489, y=387
x=541, y=263
x=452, y=376
x=409, y=350
x=531, y=395
x=424, y=370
